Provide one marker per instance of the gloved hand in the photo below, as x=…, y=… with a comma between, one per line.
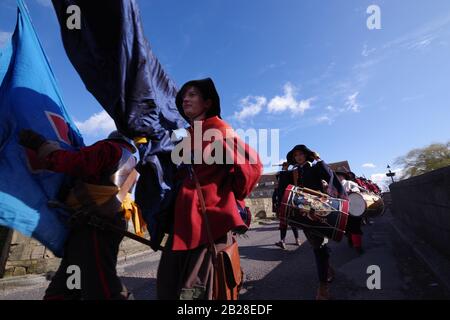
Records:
x=30, y=139
x=316, y=156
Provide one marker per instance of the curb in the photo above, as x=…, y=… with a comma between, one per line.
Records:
x=124, y=259
x=437, y=263
x=264, y=222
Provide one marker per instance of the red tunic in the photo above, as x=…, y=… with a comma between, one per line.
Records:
x=222, y=185
x=89, y=163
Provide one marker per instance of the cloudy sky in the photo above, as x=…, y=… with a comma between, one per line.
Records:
x=311, y=69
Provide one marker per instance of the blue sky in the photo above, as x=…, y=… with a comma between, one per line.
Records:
x=311, y=69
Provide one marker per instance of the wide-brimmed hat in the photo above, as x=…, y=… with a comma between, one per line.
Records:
x=310, y=155
x=351, y=175
x=208, y=90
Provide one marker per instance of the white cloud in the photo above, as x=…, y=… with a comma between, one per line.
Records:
x=99, y=124
x=368, y=165
x=289, y=102
x=366, y=51
x=384, y=181
x=4, y=37
x=367, y=64
x=423, y=36
x=45, y=3
x=421, y=42
x=270, y=67
x=351, y=102
x=324, y=118
x=381, y=180
x=329, y=116
x=251, y=106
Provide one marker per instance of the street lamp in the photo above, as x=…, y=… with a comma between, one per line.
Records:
x=390, y=173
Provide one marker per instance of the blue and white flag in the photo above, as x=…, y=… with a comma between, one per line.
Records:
x=30, y=98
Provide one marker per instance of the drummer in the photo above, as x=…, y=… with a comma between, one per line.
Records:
x=349, y=185
x=360, y=181
x=283, y=224
x=308, y=175
x=353, y=229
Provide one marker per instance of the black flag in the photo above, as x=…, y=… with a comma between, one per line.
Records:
x=110, y=53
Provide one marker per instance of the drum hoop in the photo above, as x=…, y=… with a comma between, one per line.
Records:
x=363, y=201
x=291, y=189
x=337, y=231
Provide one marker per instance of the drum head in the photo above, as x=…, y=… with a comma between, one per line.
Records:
x=357, y=204
x=375, y=207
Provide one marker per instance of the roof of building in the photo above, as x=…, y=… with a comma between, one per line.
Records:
x=341, y=165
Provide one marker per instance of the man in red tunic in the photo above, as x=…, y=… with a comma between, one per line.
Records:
x=99, y=171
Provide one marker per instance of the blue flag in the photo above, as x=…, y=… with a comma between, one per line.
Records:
x=30, y=98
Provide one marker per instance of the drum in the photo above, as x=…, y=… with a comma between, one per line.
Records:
x=365, y=203
x=316, y=211
x=375, y=205
x=357, y=204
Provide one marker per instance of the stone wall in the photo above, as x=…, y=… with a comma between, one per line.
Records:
x=5, y=240
x=260, y=207
x=422, y=203
x=29, y=256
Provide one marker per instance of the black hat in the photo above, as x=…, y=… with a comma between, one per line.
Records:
x=351, y=175
x=300, y=147
x=208, y=90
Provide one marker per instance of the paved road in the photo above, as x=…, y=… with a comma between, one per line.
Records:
x=276, y=274
x=273, y=273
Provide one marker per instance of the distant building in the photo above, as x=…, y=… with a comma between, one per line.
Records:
x=265, y=186
x=342, y=165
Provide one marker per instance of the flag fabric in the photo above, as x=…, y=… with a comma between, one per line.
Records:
x=30, y=99
x=115, y=62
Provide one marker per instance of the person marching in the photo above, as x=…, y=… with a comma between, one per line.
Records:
x=308, y=175
x=103, y=174
x=353, y=229
x=283, y=225
x=205, y=211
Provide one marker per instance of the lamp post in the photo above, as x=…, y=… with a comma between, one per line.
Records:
x=390, y=173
